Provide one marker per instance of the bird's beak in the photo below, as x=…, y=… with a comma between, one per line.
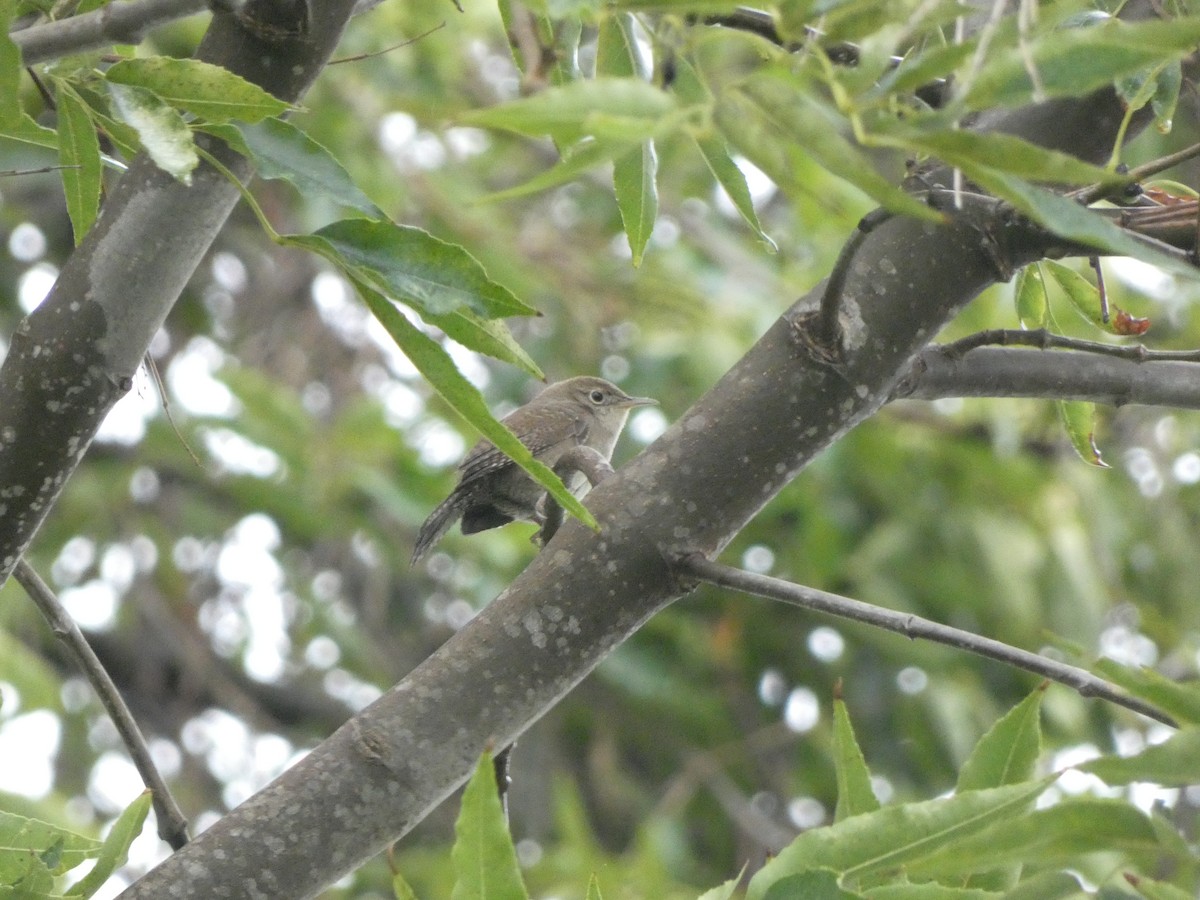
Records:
x=631, y=402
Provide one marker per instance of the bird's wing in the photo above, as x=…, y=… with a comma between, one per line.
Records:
x=553, y=425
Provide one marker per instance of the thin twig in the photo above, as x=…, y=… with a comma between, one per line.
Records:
x=172, y=826
x=1046, y=340
x=1093, y=192
x=1082, y=681
x=359, y=57
x=152, y=368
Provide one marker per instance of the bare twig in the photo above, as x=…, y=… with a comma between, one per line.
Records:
x=359, y=57
x=172, y=826
x=1094, y=192
x=1085, y=683
x=116, y=23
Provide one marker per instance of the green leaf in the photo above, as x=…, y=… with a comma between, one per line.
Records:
x=1076, y=61
x=788, y=114
x=1069, y=220
x=634, y=182
x=1079, y=419
x=115, y=851
x=931, y=890
x=1175, y=762
x=1002, y=153
x=1166, y=96
x=627, y=107
x=1008, y=753
x=1182, y=701
x=1057, y=835
x=593, y=891
x=414, y=267
x=724, y=891
x=1032, y=307
x=31, y=845
x=896, y=835
x=1048, y=886
x=485, y=863
x=854, y=792
x=488, y=336
x=160, y=129
x=10, y=70
x=435, y=364
x=816, y=884
x=576, y=160
x=401, y=889
x=1160, y=890
x=27, y=131
x=79, y=153
x=208, y=91
x=920, y=69
x=715, y=151
x=1084, y=296
x=281, y=151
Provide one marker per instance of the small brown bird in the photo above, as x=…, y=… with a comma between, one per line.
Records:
x=492, y=490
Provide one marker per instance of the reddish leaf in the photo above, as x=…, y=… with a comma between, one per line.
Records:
x=1124, y=323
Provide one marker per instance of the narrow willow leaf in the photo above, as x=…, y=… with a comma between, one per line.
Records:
x=854, y=792
x=799, y=119
x=1160, y=890
x=10, y=71
x=931, y=890
x=401, y=889
x=488, y=336
x=1075, y=61
x=564, y=112
x=897, y=835
x=816, y=884
x=484, y=861
x=79, y=153
x=414, y=267
x=593, y=891
x=1079, y=419
x=712, y=147
x=921, y=69
x=115, y=851
x=635, y=184
x=1032, y=307
x=1069, y=220
x=211, y=92
x=1166, y=96
x=1008, y=752
x=1055, y=835
x=1002, y=153
x=27, y=131
x=1175, y=763
x=576, y=160
x=436, y=366
x=160, y=129
x=282, y=151
x=1180, y=699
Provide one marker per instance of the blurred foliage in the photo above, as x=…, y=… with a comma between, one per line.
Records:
x=249, y=600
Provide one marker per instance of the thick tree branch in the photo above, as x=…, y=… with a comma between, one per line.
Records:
x=122, y=22
x=1082, y=681
x=172, y=824
x=940, y=371
x=690, y=492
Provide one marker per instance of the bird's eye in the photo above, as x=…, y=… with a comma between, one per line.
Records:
x=596, y=396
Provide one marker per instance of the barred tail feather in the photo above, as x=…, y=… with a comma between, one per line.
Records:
x=447, y=513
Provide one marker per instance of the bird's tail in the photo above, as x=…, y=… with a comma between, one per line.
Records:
x=447, y=513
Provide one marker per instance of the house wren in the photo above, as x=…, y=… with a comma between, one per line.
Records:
x=493, y=490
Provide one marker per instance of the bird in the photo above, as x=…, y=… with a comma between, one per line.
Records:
x=492, y=490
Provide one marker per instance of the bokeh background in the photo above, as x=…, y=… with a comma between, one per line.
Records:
x=244, y=573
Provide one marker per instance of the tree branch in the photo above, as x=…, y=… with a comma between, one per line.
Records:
x=172, y=824
x=1082, y=681
x=124, y=22
x=1100, y=377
